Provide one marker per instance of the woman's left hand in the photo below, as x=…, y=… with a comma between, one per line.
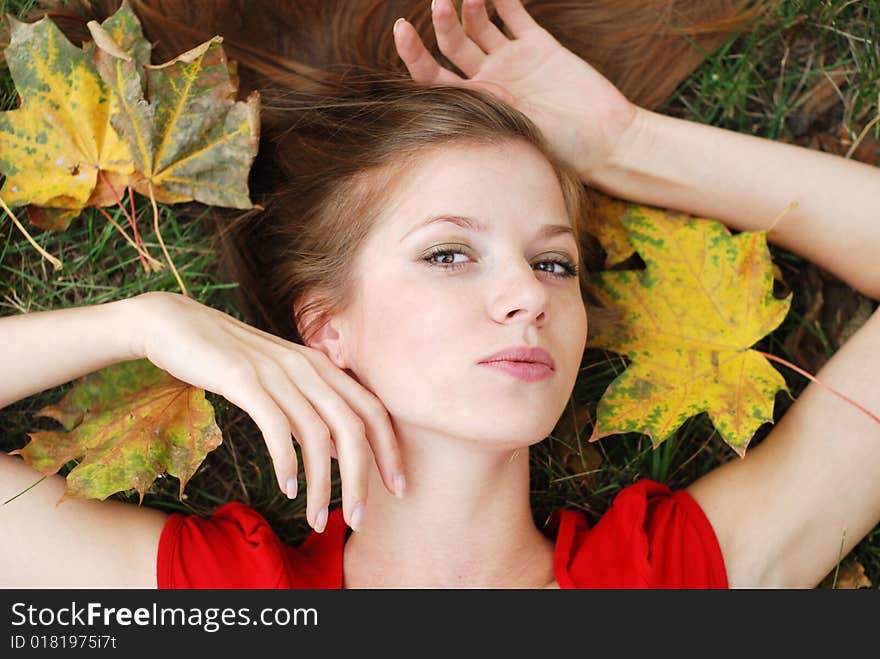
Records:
x=580, y=112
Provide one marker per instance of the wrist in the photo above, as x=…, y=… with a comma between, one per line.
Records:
x=126, y=323
x=626, y=152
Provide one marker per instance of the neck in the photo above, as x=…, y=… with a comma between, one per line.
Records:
x=465, y=521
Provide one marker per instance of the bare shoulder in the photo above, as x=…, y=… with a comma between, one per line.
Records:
x=78, y=543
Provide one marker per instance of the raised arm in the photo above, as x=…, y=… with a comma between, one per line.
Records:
x=746, y=182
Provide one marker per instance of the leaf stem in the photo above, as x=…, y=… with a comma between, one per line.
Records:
x=55, y=262
x=790, y=207
x=115, y=193
x=133, y=220
x=822, y=384
x=130, y=241
x=839, y=558
x=855, y=145
x=119, y=202
x=162, y=242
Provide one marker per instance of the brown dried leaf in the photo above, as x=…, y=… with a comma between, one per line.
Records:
x=851, y=576
x=824, y=94
x=815, y=102
x=868, y=151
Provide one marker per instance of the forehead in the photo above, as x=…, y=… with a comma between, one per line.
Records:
x=509, y=182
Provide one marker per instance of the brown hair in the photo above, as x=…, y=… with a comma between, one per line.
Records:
x=341, y=120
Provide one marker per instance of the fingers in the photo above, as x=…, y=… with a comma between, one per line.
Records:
x=515, y=17
x=465, y=43
x=420, y=64
x=357, y=421
x=313, y=436
x=372, y=412
x=479, y=28
x=276, y=415
x=250, y=395
x=348, y=430
x=452, y=40
x=353, y=468
x=328, y=412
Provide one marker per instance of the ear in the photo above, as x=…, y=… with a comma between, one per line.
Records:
x=328, y=338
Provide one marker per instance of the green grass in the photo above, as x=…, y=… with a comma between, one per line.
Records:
x=754, y=83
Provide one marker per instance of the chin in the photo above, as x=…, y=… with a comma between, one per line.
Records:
x=515, y=431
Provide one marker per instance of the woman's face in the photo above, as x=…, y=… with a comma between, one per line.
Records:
x=421, y=324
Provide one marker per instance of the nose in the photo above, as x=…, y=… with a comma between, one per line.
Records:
x=520, y=293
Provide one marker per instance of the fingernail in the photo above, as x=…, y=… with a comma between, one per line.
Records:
x=432, y=4
x=399, y=485
x=291, y=488
x=356, y=516
x=394, y=29
x=321, y=520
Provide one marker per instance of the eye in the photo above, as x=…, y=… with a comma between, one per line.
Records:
x=560, y=267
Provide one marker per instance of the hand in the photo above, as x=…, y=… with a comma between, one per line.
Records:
x=581, y=113
x=285, y=387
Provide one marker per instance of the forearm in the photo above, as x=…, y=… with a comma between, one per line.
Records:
x=44, y=349
x=747, y=181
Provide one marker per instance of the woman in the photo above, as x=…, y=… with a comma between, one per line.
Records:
x=412, y=261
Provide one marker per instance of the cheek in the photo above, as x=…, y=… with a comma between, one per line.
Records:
x=411, y=357
x=404, y=337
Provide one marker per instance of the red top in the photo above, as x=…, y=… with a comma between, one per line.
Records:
x=651, y=537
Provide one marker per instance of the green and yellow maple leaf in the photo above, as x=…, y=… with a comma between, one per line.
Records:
x=191, y=140
x=53, y=146
x=688, y=321
x=129, y=423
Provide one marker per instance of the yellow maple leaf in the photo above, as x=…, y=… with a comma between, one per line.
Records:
x=688, y=322
x=53, y=146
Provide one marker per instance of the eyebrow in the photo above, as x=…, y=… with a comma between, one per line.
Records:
x=546, y=231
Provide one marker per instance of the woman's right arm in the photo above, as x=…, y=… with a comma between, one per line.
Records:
x=80, y=543
x=286, y=388
x=41, y=350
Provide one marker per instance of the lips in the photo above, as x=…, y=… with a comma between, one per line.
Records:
x=524, y=354
x=526, y=371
